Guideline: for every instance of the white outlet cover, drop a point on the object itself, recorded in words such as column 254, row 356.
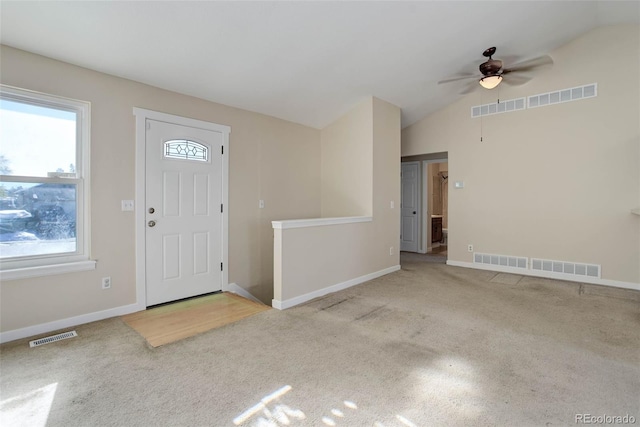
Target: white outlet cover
column 127, row 205
column 459, row 184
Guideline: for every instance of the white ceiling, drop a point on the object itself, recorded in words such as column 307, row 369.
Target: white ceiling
column 307, row 62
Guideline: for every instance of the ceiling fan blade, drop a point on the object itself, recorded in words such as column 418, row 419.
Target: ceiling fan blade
column 509, row 59
column 470, row 87
column 527, row 65
column 455, row 79
column 516, row 79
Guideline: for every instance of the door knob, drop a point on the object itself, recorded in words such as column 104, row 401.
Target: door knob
column 151, row 210
column 414, row 212
column 152, row 223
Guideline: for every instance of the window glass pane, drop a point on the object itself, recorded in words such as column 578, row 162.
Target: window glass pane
column 37, row 219
column 185, row 149
column 36, row 140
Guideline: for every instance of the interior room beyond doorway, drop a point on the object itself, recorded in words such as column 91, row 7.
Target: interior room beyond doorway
column 436, row 196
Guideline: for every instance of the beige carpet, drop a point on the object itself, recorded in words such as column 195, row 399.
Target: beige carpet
column 430, row 345
column 173, row 322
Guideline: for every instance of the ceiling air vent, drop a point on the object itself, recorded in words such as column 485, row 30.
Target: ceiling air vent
column 563, row 95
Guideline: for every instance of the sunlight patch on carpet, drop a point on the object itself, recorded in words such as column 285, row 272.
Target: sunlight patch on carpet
column 450, row 384
column 29, row 409
column 271, row 411
column 279, row 413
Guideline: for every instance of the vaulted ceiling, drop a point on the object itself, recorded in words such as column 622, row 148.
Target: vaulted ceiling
column 307, row 62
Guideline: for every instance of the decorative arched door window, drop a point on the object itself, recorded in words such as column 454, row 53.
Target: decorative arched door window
column 185, row 149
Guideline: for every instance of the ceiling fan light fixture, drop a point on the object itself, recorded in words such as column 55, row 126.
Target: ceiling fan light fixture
column 490, row 82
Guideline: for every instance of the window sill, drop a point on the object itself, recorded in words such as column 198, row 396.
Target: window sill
column 47, row 270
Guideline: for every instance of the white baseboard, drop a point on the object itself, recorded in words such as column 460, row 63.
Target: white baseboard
column 547, row 275
column 282, row 305
column 236, row 289
column 43, row 328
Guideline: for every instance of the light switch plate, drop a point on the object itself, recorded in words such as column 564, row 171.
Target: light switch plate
column 459, row 184
column 127, row 205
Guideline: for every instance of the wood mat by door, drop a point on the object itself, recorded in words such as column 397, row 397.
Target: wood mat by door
column 173, row 322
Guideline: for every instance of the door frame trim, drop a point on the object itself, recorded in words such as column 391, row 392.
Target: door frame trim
column 141, row 116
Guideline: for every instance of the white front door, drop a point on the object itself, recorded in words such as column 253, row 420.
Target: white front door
column 409, row 230
column 184, row 222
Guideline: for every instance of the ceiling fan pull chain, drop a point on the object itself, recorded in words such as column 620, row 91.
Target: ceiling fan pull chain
column 480, row 116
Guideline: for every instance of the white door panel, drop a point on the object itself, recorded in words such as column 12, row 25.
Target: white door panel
column 410, row 207
column 183, row 212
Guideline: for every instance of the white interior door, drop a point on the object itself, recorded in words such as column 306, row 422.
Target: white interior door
column 184, row 223
column 409, row 230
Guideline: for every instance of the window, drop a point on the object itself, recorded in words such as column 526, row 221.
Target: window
column 185, row 149
column 43, row 180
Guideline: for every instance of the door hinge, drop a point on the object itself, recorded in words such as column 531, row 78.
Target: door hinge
column 221, row 208
column 221, row 269
column 222, row 150
column 148, row 125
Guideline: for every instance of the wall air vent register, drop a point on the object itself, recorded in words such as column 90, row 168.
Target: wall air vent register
column 535, row 101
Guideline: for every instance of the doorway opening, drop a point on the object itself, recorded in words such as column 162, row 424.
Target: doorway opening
column 437, row 201
column 431, row 196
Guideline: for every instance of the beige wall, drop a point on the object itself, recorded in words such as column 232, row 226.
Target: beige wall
column 386, row 183
column 314, row 258
column 270, row 159
column 555, row 182
column 347, row 153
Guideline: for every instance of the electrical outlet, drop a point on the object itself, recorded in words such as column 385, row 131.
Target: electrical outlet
column 106, row 282
column 261, row 204
column 391, row 250
column 470, row 248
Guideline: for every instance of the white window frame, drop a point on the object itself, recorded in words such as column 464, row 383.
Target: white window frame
column 42, row 265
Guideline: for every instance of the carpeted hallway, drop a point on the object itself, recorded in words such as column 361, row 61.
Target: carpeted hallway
column 427, row 345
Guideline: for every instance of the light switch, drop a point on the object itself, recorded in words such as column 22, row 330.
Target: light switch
column 459, row 184
column 392, row 204
column 261, row 204
column 127, row 205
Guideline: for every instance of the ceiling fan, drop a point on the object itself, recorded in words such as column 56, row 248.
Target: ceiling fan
column 493, row 72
